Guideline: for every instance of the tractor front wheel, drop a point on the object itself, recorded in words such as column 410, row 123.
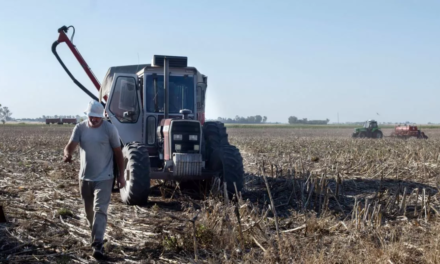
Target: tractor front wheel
column 137, row 174
column 362, row 135
column 228, row 162
column 222, row 157
column 214, row 135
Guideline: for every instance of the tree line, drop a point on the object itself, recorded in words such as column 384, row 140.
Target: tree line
column 6, row 115
column 242, row 120
column 294, row 120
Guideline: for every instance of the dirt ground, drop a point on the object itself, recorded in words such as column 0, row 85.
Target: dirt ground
column 310, row 196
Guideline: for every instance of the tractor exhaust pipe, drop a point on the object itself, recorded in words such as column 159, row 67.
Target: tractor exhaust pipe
column 166, row 85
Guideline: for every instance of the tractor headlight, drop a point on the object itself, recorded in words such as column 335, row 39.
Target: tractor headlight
column 177, row 136
column 193, row 137
column 178, row 147
column 196, row 147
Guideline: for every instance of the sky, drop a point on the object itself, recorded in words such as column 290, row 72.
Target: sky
column 310, row 59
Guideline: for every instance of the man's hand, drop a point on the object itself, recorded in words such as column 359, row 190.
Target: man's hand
column 121, row 181
column 120, row 162
column 68, row 150
column 67, row 158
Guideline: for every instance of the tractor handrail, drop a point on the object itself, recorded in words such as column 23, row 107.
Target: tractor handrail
column 63, row 38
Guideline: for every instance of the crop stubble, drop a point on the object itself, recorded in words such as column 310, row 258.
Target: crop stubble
column 337, row 200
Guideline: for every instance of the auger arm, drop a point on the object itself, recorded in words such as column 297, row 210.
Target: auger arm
column 63, row 38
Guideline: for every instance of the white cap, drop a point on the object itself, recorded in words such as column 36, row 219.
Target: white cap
column 94, row 109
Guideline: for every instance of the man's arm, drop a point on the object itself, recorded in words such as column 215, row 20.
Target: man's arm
column 120, row 162
column 68, row 150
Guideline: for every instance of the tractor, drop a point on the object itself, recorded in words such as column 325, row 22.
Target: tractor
column 159, row 112
column 369, row 130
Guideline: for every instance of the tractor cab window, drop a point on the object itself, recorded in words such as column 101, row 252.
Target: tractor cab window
column 124, row 103
column 370, row 125
column 181, row 93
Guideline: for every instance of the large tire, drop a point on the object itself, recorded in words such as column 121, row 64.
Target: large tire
column 362, row 135
column 214, row 135
column 137, row 163
column 227, row 160
column 378, row 134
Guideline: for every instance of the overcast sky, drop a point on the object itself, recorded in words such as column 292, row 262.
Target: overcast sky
column 311, row 59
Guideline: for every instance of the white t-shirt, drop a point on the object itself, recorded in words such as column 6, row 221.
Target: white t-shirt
column 96, row 150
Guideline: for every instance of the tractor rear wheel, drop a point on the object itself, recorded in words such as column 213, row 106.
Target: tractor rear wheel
column 228, row 162
column 377, row 134
column 137, row 174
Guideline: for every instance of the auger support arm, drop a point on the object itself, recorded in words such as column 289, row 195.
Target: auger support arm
column 63, row 38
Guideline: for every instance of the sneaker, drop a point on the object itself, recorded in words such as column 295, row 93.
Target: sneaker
column 98, row 250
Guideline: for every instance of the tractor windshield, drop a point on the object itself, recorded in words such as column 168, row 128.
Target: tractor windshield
column 181, row 94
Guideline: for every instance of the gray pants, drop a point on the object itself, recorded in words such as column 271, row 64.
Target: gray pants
column 96, row 196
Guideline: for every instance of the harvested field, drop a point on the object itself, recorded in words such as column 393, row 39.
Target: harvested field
column 311, row 196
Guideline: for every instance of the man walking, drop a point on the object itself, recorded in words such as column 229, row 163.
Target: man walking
column 98, row 141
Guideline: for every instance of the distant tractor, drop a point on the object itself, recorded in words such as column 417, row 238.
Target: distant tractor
column 69, row 120
column 159, row 111
column 369, row 130
column 54, row 120
column 61, row 120
column 408, row 131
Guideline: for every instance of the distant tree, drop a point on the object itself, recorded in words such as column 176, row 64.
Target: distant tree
column 1, row 115
column 5, row 114
column 264, row 119
column 293, row 120
column 258, row 119
column 251, row 119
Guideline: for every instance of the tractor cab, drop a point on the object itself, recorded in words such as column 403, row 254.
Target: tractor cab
column 370, row 124
column 139, row 97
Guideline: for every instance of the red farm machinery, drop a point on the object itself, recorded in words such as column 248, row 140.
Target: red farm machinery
column 61, row 120
column 408, row 131
column 159, row 111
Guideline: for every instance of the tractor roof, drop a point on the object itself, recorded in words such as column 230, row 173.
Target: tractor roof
column 107, row 82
